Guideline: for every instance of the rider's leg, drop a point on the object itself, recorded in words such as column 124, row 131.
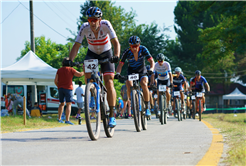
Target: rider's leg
column 111, row 93
column 203, row 99
column 129, row 107
column 182, row 96
column 151, row 100
column 144, row 86
column 158, row 97
column 128, row 86
column 168, row 95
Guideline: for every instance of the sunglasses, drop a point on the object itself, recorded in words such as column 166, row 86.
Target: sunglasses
column 160, row 61
column 134, row 46
column 92, row 19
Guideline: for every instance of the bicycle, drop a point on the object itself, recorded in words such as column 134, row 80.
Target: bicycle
column 177, row 100
column 199, row 103
column 192, row 101
column 162, row 103
column 137, row 102
column 98, row 91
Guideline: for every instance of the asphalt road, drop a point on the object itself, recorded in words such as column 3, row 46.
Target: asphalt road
column 176, row 143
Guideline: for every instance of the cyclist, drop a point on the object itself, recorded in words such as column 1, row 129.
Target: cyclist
column 178, row 81
column 163, row 70
column 198, row 81
column 99, row 33
column 135, row 55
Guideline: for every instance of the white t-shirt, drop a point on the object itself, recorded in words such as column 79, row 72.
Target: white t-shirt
column 100, row 44
column 79, row 92
column 163, row 70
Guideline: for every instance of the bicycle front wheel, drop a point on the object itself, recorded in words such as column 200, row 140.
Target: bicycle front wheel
column 143, row 117
column 178, row 108
column 92, row 117
column 161, row 107
column 135, row 109
column 194, row 110
column 200, row 110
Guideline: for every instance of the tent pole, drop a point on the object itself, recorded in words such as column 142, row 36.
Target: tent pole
column 35, row 91
column 6, row 88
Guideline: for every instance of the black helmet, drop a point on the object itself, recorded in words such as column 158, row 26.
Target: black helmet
column 148, row 67
column 160, row 57
column 134, row 40
column 198, row 72
column 94, row 12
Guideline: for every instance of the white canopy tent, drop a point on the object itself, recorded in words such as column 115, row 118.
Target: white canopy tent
column 235, row 95
column 29, row 70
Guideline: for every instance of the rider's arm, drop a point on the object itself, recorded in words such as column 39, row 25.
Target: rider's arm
column 119, row 67
column 151, row 61
column 152, row 79
column 74, row 51
column 207, row 86
column 171, row 77
column 116, row 45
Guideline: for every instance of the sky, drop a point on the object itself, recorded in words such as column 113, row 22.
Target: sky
column 53, row 17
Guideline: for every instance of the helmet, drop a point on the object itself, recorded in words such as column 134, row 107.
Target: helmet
column 119, row 98
column 147, row 67
column 160, row 57
column 198, row 72
column 94, row 12
column 134, row 40
column 178, row 69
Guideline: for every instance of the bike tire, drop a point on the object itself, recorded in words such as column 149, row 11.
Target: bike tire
column 194, row 110
column 200, row 110
column 161, row 108
column 143, row 117
column 136, row 114
column 105, row 118
column 177, row 107
column 165, row 109
column 181, row 113
column 93, row 129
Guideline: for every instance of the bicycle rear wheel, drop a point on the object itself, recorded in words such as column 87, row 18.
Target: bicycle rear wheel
column 177, row 108
column 135, row 108
column 143, row 117
column 200, row 110
column 108, row 130
column 93, row 125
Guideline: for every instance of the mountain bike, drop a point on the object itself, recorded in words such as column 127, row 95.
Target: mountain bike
column 199, row 103
column 193, row 101
column 177, row 100
column 162, row 103
column 137, row 101
column 96, row 90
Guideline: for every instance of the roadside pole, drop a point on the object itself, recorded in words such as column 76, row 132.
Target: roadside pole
column 24, row 109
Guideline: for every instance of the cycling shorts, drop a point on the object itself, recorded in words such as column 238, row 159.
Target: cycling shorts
column 163, row 82
column 200, row 90
column 106, row 68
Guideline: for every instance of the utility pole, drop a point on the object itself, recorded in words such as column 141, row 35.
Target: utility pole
column 32, row 26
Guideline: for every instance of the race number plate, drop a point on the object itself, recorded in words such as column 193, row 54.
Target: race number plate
column 162, row 88
column 176, row 93
column 91, row 65
column 133, row 77
column 198, row 94
column 155, row 96
column 193, row 97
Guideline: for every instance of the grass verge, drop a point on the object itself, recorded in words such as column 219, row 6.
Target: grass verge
column 15, row 124
column 233, row 129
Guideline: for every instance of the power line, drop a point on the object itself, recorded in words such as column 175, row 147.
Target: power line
column 67, row 9
column 56, row 13
column 10, row 13
column 42, row 20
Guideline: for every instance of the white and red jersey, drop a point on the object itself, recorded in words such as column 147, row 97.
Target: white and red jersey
column 100, row 44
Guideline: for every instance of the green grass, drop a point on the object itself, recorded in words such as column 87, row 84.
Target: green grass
column 233, row 129
column 15, row 124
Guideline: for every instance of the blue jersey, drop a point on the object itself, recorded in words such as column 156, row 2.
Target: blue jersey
column 199, row 85
column 178, row 81
column 122, row 104
column 133, row 65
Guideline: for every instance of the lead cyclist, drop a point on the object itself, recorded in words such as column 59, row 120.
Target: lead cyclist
column 100, row 34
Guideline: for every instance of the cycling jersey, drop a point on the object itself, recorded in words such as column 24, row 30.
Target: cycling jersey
column 100, row 44
column 133, row 65
column 163, row 70
column 178, row 81
column 199, row 85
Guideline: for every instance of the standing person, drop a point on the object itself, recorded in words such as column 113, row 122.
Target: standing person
column 121, row 106
column 80, row 93
column 100, row 34
column 17, row 100
column 126, row 100
column 135, row 55
column 63, row 81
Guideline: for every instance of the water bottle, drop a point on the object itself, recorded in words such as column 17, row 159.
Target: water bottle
column 79, row 120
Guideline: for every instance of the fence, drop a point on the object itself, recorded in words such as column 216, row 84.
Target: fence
column 225, row 109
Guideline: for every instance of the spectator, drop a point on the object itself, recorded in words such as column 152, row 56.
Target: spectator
column 79, row 92
column 36, row 111
column 17, row 100
column 63, row 81
column 126, row 101
column 29, row 101
column 121, row 106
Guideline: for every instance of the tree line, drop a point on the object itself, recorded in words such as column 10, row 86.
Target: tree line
column 211, row 37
